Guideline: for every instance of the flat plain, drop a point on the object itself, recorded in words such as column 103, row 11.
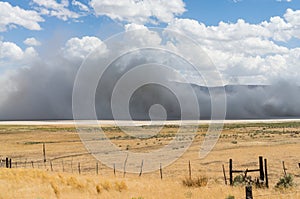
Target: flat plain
column 59, row 176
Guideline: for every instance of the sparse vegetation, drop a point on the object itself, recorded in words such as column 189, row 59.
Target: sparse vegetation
column 98, row 189
column 285, row 182
column 24, row 144
column 120, row 186
column 195, row 182
column 106, row 185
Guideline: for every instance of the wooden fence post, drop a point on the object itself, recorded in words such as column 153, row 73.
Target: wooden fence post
column 32, row 164
column 124, row 168
column 160, row 169
column 6, row 162
column 63, row 165
column 141, row 171
column 266, row 173
column 225, row 179
column 249, row 194
column 97, row 171
column 114, row 169
column 44, row 152
column 284, row 169
column 261, row 169
column 51, row 166
column 79, row 170
column 72, row 165
column 10, row 163
column 190, row 170
column 230, row 172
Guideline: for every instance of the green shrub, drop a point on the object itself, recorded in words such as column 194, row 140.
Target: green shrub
column 285, row 182
column 238, row 180
column 241, row 180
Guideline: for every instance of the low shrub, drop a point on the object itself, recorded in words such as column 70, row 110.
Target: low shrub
column 285, row 182
column 195, row 182
column 120, row 186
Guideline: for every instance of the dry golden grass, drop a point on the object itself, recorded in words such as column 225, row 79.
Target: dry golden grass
column 29, row 183
column 241, row 142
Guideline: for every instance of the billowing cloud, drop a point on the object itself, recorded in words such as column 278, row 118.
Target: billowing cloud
column 140, row 12
column 243, row 52
column 32, row 42
column 53, row 8
column 11, row 16
column 12, row 55
column 44, row 90
column 9, row 50
column 79, row 48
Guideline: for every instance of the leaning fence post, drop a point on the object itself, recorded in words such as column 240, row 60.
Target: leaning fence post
column 51, row 166
column 125, row 162
column 284, row 169
column 266, row 173
column 230, row 172
column 141, row 171
column 160, row 169
column 261, row 169
column 224, row 174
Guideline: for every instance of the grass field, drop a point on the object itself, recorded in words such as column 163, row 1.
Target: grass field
column 242, row 142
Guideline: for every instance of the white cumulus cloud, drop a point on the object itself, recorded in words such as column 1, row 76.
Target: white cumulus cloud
column 247, row 52
column 139, row 11
column 79, row 48
column 32, row 42
column 53, row 8
column 9, row 50
column 13, row 55
column 14, row 15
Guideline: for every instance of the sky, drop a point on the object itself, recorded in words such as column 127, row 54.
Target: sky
column 250, row 42
column 27, row 27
